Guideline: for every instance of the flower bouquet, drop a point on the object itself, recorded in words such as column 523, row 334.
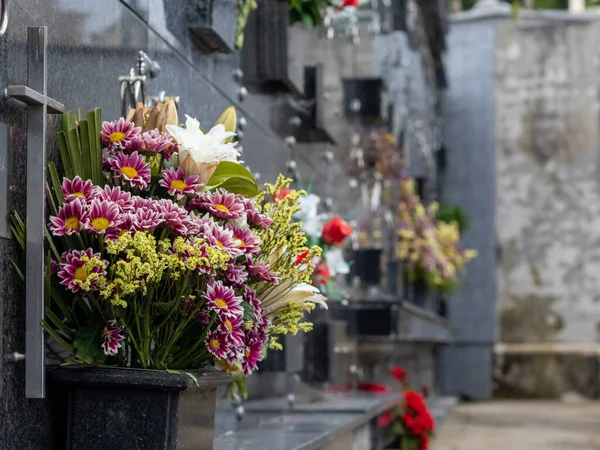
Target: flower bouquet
column 329, row 232
column 162, row 251
column 412, row 422
column 429, row 248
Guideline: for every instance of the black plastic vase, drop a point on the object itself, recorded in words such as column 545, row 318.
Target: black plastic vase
column 97, row 408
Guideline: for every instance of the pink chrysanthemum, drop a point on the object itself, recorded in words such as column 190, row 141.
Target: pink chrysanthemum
column 232, row 328
column 118, row 133
column 245, row 240
column 220, row 203
column 153, row 141
column 111, row 338
column 147, row 219
column 71, row 218
column 140, row 202
column 131, row 168
column 258, row 219
column 217, row 344
column 174, row 215
column 77, row 188
column 236, row 275
column 252, row 352
column 126, row 225
column 262, row 271
column 103, row 216
column 222, row 299
column 73, row 273
column 218, row 236
column 178, row 185
column 116, row 195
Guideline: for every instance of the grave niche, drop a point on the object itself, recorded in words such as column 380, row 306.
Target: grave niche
column 265, row 52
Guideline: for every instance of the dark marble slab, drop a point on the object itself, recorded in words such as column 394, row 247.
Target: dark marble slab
column 266, row 429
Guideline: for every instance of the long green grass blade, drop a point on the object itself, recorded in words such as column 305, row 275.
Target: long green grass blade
column 48, row 329
column 75, row 152
column 56, row 184
column 58, row 323
column 51, row 202
column 96, row 135
column 86, row 155
column 65, row 155
column 94, row 160
column 20, row 238
column 51, row 244
column 18, row 269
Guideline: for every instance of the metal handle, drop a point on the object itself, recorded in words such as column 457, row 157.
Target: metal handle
column 4, row 17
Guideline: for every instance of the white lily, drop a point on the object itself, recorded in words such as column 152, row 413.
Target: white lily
column 284, row 294
column 200, row 153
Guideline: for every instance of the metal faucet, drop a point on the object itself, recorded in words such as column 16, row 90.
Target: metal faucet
column 133, row 86
column 357, row 375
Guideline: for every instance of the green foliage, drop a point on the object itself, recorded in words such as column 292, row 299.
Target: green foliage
column 88, row 344
column 80, row 147
column 235, row 178
column 309, row 12
column 454, row 213
column 246, row 7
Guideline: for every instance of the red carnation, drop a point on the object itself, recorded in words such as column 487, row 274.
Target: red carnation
column 399, row 374
column 353, row 3
column 301, row 257
column 322, row 274
column 282, row 193
column 384, row 420
column 336, row 231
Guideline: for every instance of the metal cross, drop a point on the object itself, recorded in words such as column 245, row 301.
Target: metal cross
column 39, row 105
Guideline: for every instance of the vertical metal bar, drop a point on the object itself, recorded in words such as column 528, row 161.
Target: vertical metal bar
column 36, row 215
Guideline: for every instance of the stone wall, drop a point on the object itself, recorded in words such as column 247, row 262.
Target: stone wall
column 548, row 196
column 548, row 192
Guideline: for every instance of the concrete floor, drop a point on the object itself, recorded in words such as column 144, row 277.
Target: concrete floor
column 521, row 425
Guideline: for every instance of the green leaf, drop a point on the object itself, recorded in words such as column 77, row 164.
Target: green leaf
column 75, row 152
column 248, row 311
column 48, row 329
column 59, row 324
column 18, row 269
column 181, row 372
column 56, row 184
column 88, row 343
column 307, row 20
column 234, row 178
column 239, row 384
column 65, row 156
column 86, row 151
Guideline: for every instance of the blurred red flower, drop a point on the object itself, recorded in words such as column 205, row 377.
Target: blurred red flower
column 301, row 257
column 385, row 420
column 336, row 231
column 399, row 374
column 321, row 274
column 282, row 193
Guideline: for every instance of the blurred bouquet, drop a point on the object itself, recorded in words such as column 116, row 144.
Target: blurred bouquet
column 429, row 248
column 330, row 233
column 163, row 252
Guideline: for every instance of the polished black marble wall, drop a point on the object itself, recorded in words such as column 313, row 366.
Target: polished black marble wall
column 92, row 43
